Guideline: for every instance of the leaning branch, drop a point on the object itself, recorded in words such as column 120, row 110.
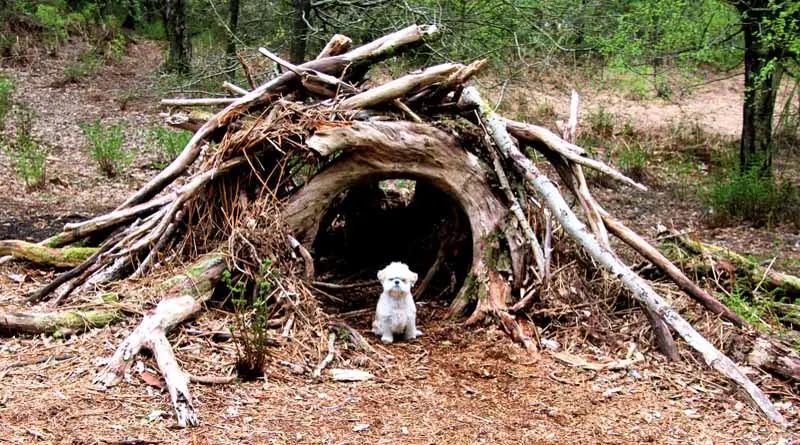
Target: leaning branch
column 334, row 66
column 635, row 284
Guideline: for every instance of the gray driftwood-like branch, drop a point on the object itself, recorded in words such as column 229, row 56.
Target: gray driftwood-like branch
column 638, row 287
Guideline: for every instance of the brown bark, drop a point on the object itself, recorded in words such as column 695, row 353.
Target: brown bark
column 233, row 24
column 775, row 356
column 299, row 42
column 180, row 43
column 761, row 84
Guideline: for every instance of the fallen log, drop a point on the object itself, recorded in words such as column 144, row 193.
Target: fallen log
column 770, row 278
column 636, row 285
column 69, row 321
column 44, row 255
column 778, row 357
column 189, row 291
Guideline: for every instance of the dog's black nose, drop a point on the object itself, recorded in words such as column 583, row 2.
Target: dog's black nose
column 396, row 282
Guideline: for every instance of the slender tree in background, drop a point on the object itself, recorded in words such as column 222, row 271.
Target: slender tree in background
column 770, row 37
column 180, row 43
column 297, row 50
column 233, row 23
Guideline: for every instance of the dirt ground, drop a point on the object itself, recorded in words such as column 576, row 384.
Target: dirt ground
column 453, row 385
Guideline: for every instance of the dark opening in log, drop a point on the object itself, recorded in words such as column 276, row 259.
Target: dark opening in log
column 374, row 223
column 377, row 151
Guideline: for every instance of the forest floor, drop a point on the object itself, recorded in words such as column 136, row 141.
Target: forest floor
column 451, row 386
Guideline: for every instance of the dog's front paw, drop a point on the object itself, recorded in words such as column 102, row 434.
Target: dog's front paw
column 418, row 333
column 386, row 339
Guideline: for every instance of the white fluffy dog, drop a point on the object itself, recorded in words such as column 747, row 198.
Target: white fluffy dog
column 396, row 312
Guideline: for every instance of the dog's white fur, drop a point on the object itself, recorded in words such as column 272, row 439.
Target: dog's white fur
column 396, row 312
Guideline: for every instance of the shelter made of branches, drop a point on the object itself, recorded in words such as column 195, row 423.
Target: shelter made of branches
column 266, row 179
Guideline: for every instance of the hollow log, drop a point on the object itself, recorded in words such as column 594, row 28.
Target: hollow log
column 376, row 151
column 189, row 291
column 43, row 255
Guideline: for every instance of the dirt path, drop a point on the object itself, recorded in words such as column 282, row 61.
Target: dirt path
column 452, row 386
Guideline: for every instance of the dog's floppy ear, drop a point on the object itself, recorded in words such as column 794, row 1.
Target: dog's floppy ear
column 413, row 277
column 382, row 274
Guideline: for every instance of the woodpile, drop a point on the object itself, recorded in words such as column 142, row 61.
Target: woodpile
column 305, row 137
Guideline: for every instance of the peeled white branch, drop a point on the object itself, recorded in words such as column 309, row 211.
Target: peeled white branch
column 539, row 135
column 235, row 89
column 638, row 287
column 192, row 289
column 400, row 87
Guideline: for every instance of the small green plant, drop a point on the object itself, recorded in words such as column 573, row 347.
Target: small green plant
column 152, row 30
column 252, row 319
column 87, row 65
column 632, row 160
column 6, row 102
column 170, row 142
column 105, row 146
column 601, row 122
column 750, row 196
column 115, row 48
column 29, row 158
column 763, row 310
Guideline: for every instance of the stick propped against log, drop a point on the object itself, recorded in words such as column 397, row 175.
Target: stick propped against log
column 633, row 282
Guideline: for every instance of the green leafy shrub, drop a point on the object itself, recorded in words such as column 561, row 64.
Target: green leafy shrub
column 601, row 122
column 87, row 65
column 6, row 90
column 752, row 197
column 105, row 146
column 29, row 158
column 632, row 161
column 153, row 30
column 54, row 20
column 170, row 142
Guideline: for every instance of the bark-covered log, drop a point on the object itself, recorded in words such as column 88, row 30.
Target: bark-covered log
column 45, row 256
column 188, row 293
column 634, row 283
column 72, row 321
column 778, row 357
column 771, row 278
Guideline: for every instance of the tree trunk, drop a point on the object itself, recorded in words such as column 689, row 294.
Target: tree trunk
column 180, row 44
column 761, row 82
column 297, row 51
column 233, row 23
